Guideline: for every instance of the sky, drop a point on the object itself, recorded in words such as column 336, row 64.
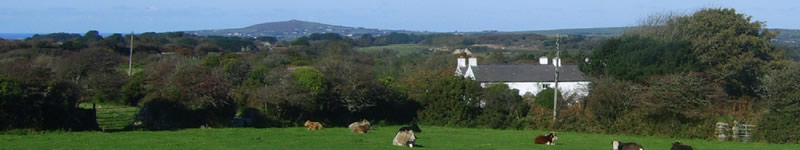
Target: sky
column 118, row 16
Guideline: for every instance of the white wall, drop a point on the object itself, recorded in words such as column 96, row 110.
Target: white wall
column 470, row 74
column 566, row 88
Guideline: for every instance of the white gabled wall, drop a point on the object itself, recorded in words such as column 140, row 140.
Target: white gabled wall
column 469, row 73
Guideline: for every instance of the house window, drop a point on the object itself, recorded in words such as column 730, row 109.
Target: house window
column 545, row 86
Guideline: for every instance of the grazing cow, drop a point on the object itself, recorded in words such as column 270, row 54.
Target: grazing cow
column 412, row 127
column 678, row 146
column 548, row 139
column 626, row 146
column 405, row 138
column 362, row 126
column 313, row 125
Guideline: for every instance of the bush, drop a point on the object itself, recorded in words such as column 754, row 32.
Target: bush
column 164, row 114
column 611, row 99
column 134, row 90
column 545, row 99
column 777, row 127
column 780, row 124
column 501, row 107
column 575, row 119
column 453, row 101
column 252, row 117
column 25, row 106
column 678, row 99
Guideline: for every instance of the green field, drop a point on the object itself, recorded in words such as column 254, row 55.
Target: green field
column 401, row 49
column 341, row 138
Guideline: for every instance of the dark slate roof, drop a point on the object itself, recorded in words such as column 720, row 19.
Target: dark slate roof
column 526, row 73
column 461, row 70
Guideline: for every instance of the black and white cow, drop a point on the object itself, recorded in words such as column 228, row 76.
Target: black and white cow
column 617, row 145
column 412, row 127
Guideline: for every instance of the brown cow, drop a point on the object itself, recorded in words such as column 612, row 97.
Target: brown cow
column 313, row 125
column 362, row 126
column 548, row 139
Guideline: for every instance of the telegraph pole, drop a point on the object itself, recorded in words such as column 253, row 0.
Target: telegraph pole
column 557, row 64
column 130, row 57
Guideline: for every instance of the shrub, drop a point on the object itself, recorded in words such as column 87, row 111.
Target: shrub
column 452, row 101
column 165, row 114
column 501, row 107
column 545, row 99
column 677, row 101
column 611, row 99
column 780, row 124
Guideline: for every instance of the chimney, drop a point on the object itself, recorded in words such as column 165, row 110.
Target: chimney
column 473, row 61
column 543, row 60
column 462, row 62
column 557, row 61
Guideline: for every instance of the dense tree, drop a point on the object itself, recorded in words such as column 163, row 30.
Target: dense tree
column 779, row 125
column 353, row 86
column 324, row 36
column 635, row 58
column 310, row 78
column 301, row 41
column 731, row 48
column 95, row 69
column 365, row 40
column 452, row 101
column 92, row 36
column 668, row 99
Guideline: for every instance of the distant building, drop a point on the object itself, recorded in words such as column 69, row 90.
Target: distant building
column 527, row 78
column 464, row 51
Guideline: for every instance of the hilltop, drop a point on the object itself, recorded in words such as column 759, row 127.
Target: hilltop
column 292, row 29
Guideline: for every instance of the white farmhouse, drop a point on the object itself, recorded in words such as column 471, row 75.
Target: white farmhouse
column 527, row 78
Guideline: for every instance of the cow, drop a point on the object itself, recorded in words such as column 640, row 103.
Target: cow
column 678, row 146
column 405, row 138
column 548, row 139
column 362, row 126
column 412, row 127
column 617, row 145
column 313, row 125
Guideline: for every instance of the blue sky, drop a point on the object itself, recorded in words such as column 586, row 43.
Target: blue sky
column 79, row 16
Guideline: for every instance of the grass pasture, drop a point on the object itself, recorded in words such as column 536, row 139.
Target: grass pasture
column 341, row 138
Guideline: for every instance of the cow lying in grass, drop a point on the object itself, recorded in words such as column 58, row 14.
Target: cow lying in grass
column 313, row 125
column 678, row 146
column 405, row 138
column 626, row 146
column 362, row 126
column 412, row 127
column 548, row 139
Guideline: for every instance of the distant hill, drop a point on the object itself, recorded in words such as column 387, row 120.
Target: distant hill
column 293, row 29
column 788, row 37
column 607, row 31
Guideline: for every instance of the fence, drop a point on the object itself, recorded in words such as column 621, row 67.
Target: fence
column 736, row 132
